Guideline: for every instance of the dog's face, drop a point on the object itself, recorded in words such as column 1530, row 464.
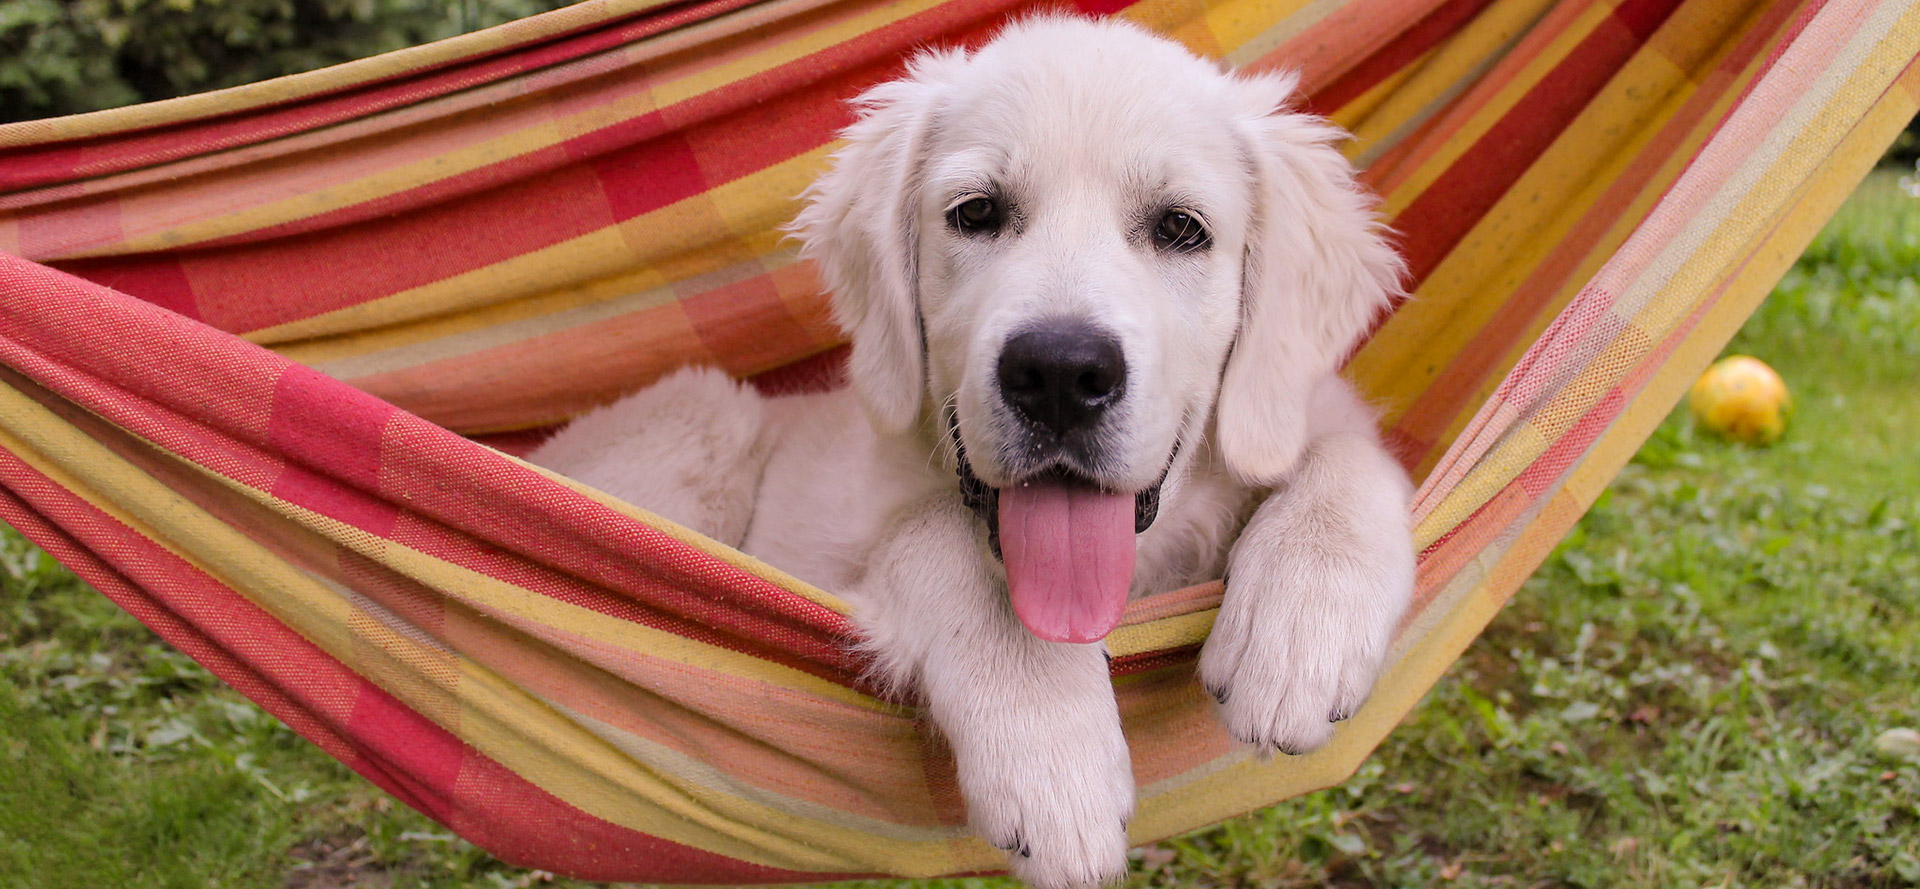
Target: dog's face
column 1078, row 250
column 1078, row 263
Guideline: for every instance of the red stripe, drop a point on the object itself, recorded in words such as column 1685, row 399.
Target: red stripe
column 1643, row 17
column 1390, row 170
column 263, row 284
column 747, row 324
column 318, row 421
column 620, row 568
column 1430, row 31
column 1436, row 220
column 159, row 280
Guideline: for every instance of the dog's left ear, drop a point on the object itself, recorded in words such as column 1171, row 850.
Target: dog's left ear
column 859, row 229
column 1318, row 270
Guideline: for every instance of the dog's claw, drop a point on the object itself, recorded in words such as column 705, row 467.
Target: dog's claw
column 1339, row 715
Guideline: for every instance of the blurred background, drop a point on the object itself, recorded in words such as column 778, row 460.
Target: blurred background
column 68, row 56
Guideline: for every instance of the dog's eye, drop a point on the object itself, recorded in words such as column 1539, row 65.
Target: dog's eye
column 1180, row 232
column 975, row 215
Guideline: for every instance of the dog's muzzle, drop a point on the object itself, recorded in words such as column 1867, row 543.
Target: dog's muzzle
column 984, row 499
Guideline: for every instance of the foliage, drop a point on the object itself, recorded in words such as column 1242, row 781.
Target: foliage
column 1905, row 149
column 67, row 56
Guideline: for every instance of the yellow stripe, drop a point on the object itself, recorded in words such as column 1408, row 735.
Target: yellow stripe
column 1623, row 225
column 602, row 780
column 710, row 775
column 1348, row 116
column 1671, row 166
column 399, row 347
column 1250, row 29
column 1441, row 77
column 1163, row 634
column 495, row 596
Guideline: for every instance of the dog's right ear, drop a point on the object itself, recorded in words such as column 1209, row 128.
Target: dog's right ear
column 859, row 228
column 1318, row 270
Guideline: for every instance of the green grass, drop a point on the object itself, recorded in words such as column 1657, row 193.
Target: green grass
column 124, row 764
column 1686, row 695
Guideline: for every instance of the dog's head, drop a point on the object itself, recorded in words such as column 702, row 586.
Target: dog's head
column 1079, row 249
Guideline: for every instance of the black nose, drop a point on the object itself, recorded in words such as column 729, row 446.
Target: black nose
column 1062, row 377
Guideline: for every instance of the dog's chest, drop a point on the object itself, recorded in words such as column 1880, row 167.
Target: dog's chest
column 1189, row 542
column 829, row 485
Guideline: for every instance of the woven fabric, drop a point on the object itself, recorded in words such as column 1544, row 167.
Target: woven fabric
column 236, row 329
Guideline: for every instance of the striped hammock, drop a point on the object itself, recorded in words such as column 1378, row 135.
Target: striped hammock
column 236, row 330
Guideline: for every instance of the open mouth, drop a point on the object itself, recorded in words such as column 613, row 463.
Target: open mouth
column 1067, row 545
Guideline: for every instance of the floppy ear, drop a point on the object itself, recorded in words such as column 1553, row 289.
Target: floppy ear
column 1318, row 269
column 858, row 227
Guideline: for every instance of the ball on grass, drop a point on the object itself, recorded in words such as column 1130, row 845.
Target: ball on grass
column 1898, row 744
column 1742, row 399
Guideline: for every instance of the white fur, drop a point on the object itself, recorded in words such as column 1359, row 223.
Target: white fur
column 1090, row 129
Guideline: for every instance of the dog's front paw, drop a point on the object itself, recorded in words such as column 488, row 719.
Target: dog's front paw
column 1054, row 789
column 1300, row 638
column 1061, row 813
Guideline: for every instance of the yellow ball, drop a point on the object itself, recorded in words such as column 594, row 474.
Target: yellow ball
column 1742, row 399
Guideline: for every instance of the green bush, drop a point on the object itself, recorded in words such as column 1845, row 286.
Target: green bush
column 67, row 56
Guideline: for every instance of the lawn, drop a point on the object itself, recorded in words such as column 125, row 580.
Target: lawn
column 1687, row 694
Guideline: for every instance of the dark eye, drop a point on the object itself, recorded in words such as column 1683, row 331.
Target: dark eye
column 1180, row 232
column 974, row 216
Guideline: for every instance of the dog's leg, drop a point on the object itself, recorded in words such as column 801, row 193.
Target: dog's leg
column 1316, row 585
column 1033, row 725
column 687, row 448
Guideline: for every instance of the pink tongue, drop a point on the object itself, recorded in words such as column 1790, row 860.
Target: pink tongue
column 1069, row 557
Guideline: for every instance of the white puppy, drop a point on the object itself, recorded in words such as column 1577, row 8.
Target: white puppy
column 1098, row 292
